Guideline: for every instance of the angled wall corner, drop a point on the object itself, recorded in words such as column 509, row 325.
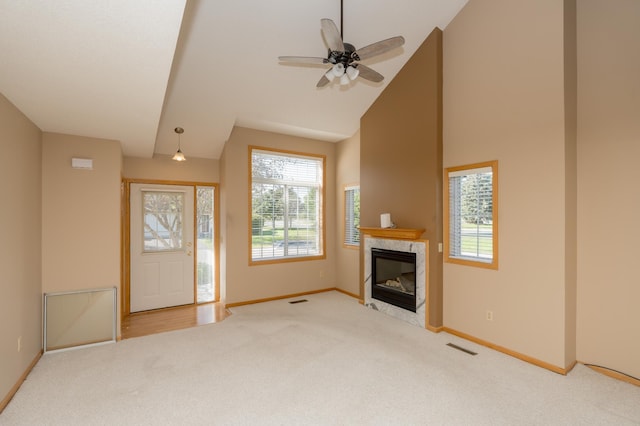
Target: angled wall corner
column 244, row 283
column 505, row 100
column 80, row 214
column 608, row 150
column 571, row 179
column 20, row 248
column 401, row 158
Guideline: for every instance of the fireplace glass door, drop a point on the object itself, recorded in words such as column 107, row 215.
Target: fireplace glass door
column 394, row 278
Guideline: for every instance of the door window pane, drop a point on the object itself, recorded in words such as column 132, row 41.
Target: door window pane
column 163, row 220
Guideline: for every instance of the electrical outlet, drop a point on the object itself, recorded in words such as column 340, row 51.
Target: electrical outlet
column 322, row 273
column 19, row 343
column 489, row 315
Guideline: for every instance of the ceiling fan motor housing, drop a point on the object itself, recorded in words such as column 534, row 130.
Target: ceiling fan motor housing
column 345, row 58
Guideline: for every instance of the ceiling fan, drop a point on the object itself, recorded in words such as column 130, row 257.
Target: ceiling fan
column 344, row 58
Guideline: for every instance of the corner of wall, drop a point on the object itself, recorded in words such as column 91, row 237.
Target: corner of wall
column 347, row 173
column 20, row 248
column 571, row 179
column 408, row 139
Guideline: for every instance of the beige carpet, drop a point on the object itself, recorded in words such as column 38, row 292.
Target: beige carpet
column 328, row 361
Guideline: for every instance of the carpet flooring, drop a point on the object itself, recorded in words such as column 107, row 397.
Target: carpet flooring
column 327, row 361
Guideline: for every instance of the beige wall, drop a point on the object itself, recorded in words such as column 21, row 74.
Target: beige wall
column 504, row 100
column 243, row 282
column 401, row 157
column 571, row 178
column 20, row 245
column 608, row 176
column 164, row 168
column 80, row 214
column 347, row 173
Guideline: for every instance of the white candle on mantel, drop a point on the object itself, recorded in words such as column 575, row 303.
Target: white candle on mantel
column 385, row 220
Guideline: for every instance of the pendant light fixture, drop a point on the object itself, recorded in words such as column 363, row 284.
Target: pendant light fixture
column 179, row 156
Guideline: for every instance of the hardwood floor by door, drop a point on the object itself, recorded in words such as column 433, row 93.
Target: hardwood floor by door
column 158, row 321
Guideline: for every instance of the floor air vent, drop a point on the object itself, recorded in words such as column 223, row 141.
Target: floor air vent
column 293, row 302
column 460, row 348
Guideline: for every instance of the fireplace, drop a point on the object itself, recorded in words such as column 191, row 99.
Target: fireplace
column 393, row 277
column 414, row 311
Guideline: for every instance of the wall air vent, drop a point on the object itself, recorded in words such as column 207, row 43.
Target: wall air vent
column 82, row 163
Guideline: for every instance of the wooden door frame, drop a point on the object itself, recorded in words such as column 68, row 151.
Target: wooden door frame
column 125, row 249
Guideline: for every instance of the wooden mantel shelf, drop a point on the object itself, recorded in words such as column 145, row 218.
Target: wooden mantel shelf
column 397, row 233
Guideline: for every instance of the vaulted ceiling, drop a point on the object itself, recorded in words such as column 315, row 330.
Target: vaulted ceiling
column 132, row 71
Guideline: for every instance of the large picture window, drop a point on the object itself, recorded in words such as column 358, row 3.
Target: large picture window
column 471, row 209
column 286, row 205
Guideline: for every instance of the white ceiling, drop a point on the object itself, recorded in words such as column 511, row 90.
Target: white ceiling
column 134, row 70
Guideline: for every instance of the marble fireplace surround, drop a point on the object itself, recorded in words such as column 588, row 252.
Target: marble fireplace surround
column 419, row 247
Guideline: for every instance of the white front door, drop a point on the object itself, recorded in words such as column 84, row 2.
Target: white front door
column 162, row 252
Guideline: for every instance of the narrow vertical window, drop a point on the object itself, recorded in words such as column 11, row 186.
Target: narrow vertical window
column 352, row 216
column 286, row 205
column 206, row 247
column 471, row 207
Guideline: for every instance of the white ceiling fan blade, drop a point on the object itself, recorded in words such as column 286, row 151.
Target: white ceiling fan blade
column 378, row 48
column 368, row 74
column 331, row 35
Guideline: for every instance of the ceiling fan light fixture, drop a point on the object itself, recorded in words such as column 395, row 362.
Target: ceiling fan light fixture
column 352, row 72
column 344, row 57
column 330, row 75
column 338, row 70
column 179, row 156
